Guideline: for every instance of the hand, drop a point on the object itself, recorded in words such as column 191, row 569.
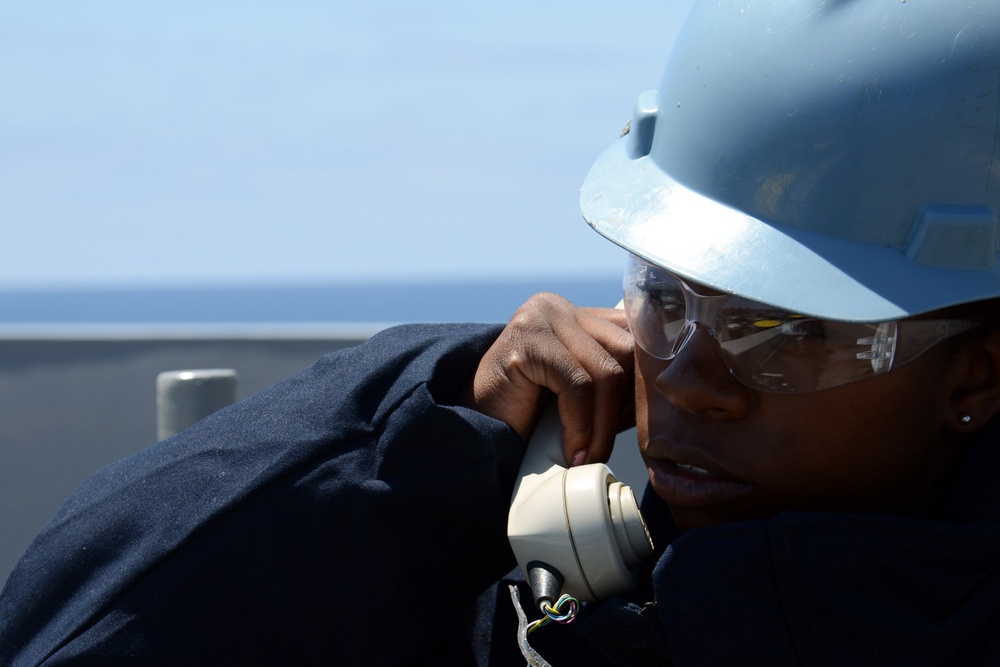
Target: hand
column 582, row 355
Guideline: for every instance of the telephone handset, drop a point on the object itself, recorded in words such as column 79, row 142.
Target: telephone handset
column 575, row 531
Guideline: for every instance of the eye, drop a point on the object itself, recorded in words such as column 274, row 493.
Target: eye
column 670, row 301
column 773, row 328
column 804, row 328
column 808, row 333
column 749, row 323
column 666, row 298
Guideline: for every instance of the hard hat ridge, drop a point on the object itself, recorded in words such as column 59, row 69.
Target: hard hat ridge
column 831, row 158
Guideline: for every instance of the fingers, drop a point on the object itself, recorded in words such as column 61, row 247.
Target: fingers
column 583, row 356
column 593, row 391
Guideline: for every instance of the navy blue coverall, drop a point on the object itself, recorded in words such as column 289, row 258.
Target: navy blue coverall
column 353, row 514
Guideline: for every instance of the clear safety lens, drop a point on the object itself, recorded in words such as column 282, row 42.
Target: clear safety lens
column 766, row 347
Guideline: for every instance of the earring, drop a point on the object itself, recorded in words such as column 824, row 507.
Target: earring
column 965, row 418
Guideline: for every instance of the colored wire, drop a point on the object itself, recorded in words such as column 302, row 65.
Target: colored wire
column 557, row 612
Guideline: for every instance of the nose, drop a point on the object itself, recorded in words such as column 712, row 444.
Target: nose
column 698, row 380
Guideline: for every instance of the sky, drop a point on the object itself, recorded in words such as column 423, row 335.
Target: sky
column 248, row 143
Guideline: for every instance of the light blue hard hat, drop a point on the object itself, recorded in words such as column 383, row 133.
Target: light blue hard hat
column 839, row 158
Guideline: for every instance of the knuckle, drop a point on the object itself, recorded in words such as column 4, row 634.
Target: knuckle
column 526, row 319
column 513, row 359
column 551, row 299
column 579, row 381
column 611, row 369
column 543, row 302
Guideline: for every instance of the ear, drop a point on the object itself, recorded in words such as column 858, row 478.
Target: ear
column 975, row 400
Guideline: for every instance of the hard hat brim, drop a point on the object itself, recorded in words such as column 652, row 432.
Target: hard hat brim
column 637, row 206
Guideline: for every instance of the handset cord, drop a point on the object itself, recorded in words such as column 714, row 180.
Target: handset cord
column 532, row 656
column 556, row 612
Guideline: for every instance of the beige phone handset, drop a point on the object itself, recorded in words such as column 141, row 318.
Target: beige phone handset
column 574, row 530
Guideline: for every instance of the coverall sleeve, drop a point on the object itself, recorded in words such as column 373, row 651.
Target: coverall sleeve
column 346, row 515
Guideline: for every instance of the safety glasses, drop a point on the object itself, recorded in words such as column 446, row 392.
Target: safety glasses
column 767, row 348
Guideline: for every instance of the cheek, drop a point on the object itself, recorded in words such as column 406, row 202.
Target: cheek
column 642, row 399
column 869, row 445
column 877, row 443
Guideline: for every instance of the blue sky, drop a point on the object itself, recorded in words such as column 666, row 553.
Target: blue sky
column 248, row 143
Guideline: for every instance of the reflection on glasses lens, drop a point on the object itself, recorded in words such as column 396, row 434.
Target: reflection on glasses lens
column 764, row 346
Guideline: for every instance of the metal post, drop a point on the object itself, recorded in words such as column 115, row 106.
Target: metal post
column 186, row 397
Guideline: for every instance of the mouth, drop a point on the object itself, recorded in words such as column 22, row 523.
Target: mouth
column 685, row 485
column 692, row 469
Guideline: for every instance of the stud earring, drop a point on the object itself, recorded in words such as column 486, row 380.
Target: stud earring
column 965, row 418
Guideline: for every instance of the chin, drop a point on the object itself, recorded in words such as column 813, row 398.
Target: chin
column 686, row 518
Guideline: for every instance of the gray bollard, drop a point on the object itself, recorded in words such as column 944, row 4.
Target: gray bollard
column 186, row 397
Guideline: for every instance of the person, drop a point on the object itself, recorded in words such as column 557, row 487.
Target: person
column 810, row 327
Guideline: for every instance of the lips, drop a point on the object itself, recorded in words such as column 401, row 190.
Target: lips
column 686, row 485
column 693, row 469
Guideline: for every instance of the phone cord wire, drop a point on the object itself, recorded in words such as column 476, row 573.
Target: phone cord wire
column 533, row 657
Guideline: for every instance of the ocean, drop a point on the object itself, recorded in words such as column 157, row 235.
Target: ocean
column 467, row 301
